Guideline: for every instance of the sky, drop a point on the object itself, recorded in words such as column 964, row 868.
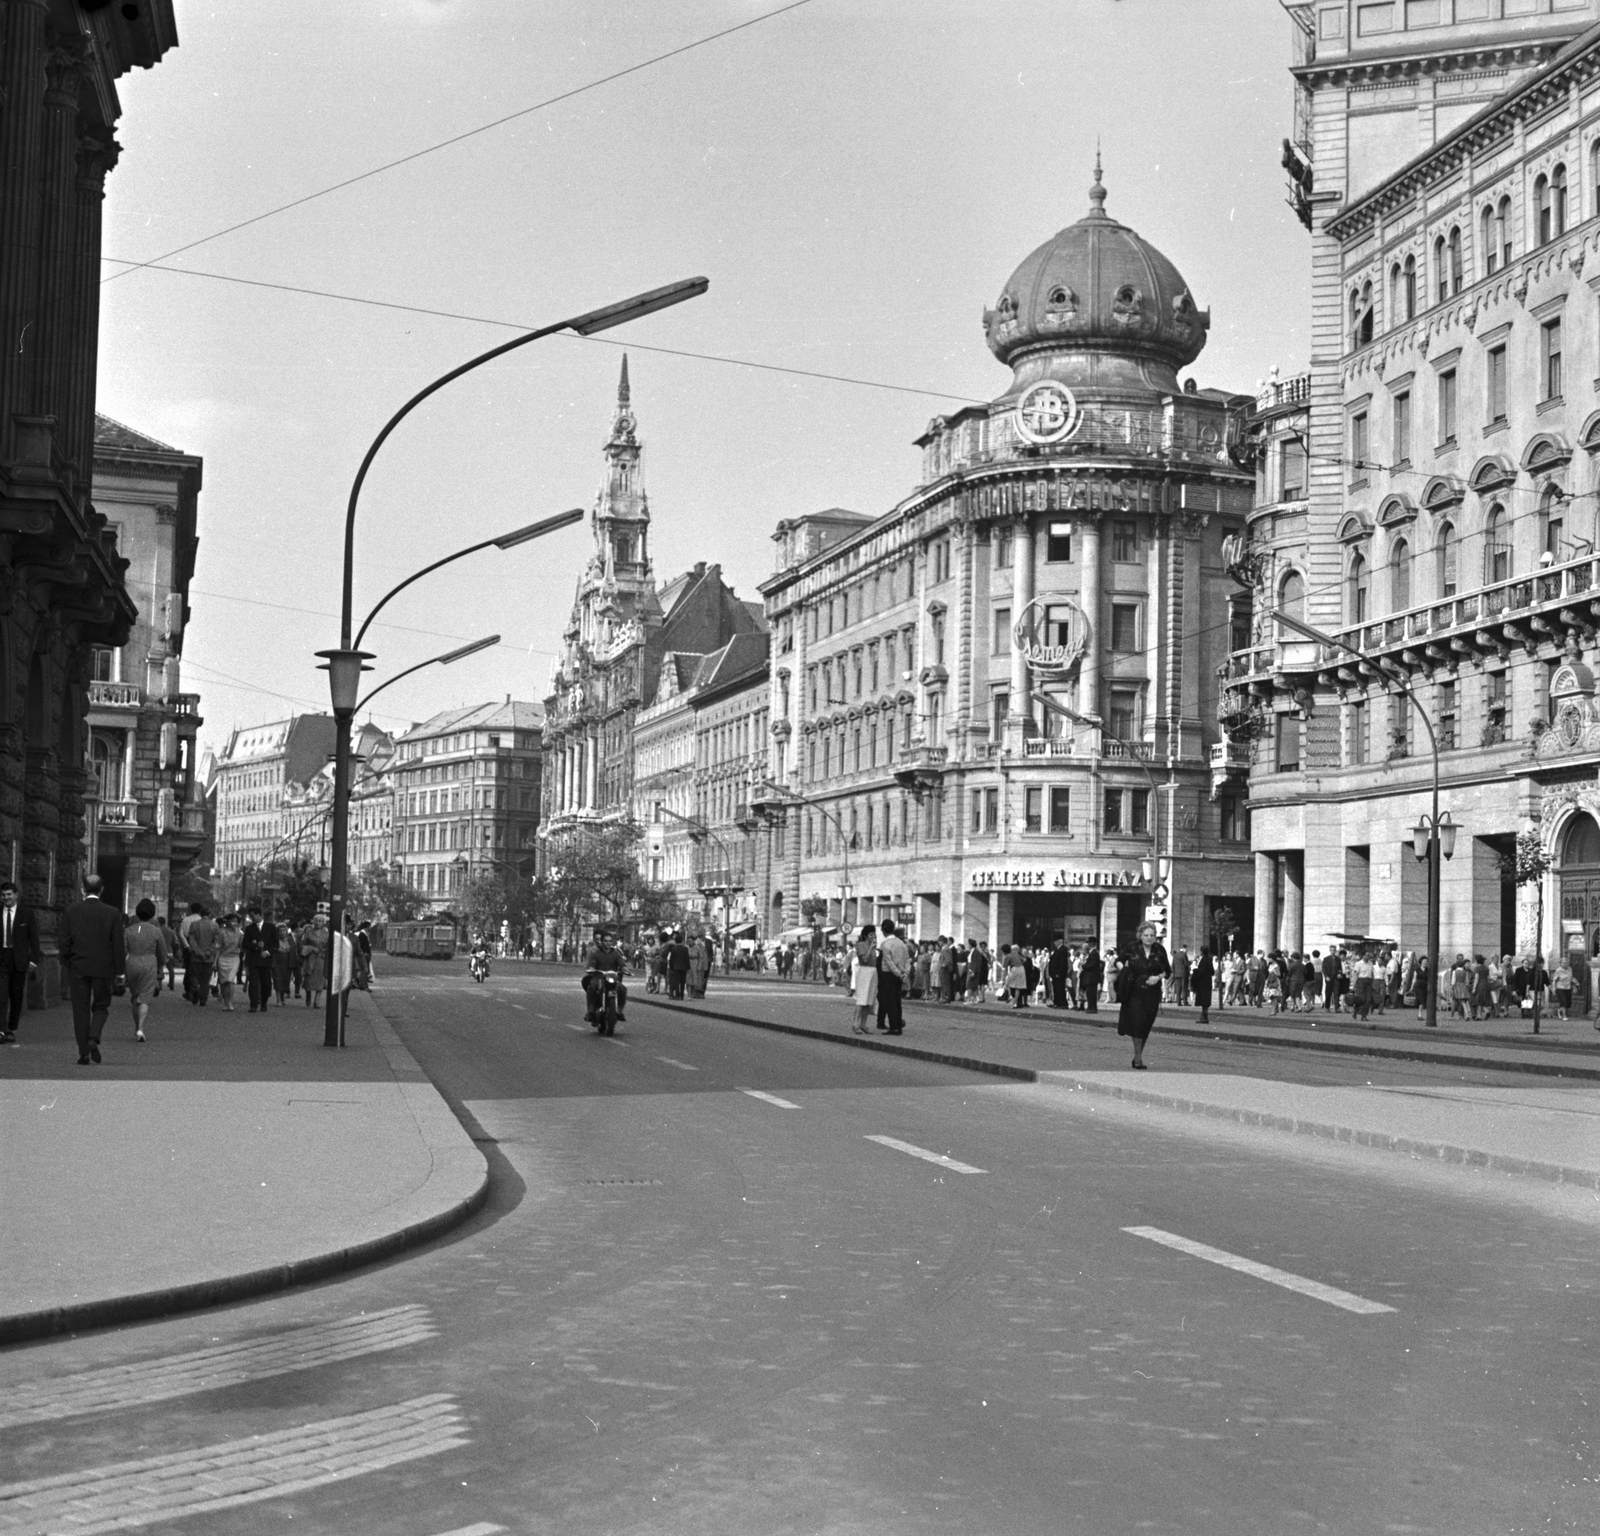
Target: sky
column 857, row 179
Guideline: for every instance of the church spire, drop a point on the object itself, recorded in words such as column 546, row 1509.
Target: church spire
column 623, row 395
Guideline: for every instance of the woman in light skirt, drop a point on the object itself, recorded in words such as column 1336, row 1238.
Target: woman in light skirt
column 864, row 987
column 146, row 944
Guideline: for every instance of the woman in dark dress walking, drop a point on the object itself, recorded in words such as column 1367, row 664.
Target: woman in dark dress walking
column 1139, row 990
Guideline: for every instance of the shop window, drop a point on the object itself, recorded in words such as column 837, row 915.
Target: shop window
column 1060, row 808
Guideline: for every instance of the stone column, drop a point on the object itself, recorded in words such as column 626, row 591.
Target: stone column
column 1021, row 596
column 22, row 49
column 1294, row 896
column 1266, row 926
column 1089, row 601
column 97, row 153
column 53, row 364
column 591, row 797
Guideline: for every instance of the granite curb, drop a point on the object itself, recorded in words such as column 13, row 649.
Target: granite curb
column 1406, row 1146
column 457, row 1186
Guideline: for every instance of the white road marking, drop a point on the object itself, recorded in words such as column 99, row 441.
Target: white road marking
column 210, row 1370
column 1314, row 1288
column 157, row 1489
column 769, row 1098
column 482, row 1528
column 612, row 1040
column 925, row 1154
column 582, row 1029
column 682, row 1066
column 519, row 1007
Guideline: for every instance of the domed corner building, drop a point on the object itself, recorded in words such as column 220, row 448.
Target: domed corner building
column 995, row 706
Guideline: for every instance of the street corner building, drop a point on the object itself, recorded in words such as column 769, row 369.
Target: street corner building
column 630, row 654
column 1428, row 491
column 994, row 708
column 62, row 581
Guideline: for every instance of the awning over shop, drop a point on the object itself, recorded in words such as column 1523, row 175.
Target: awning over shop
column 742, row 931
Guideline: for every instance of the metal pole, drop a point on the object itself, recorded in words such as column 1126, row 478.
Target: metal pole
column 333, row 1015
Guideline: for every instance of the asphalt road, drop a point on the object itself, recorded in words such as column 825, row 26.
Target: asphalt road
column 703, row 1298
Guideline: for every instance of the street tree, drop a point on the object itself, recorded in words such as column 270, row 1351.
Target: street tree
column 377, row 895
column 1528, row 864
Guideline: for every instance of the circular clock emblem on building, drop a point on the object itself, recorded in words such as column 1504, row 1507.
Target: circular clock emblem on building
column 1047, row 412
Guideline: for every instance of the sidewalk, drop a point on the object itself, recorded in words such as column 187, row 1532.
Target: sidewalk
column 230, row 1155
column 1548, row 1130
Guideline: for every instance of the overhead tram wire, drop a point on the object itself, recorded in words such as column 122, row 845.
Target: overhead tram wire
column 470, row 133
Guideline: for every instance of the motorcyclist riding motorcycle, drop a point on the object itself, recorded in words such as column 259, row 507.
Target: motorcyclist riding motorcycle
column 604, row 955
column 480, row 958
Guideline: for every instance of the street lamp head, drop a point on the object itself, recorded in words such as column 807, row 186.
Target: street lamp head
column 535, row 530
column 467, row 650
column 1421, row 835
column 1147, row 868
column 639, row 305
column 1447, row 835
column 344, row 669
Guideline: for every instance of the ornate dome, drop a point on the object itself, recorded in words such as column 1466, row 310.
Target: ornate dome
column 1097, row 286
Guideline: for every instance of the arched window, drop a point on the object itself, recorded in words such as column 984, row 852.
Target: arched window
column 1541, row 209
column 1502, row 230
column 1455, row 259
column 1366, row 314
column 1393, row 317
column 1594, row 172
column 1292, row 595
column 1581, row 845
column 1496, row 546
column 1488, row 246
column 1399, row 577
column 1441, row 271
column 1360, row 593
column 1446, row 552
column 1558, row 202
column 1408, row 288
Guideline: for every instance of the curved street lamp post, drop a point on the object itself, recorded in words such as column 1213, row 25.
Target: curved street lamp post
column 346, row 662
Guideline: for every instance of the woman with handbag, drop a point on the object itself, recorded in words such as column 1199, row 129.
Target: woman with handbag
column 1139, row 981
column 864, row 986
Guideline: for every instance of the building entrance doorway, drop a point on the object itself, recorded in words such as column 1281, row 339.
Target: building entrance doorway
column 1579, row 881
column 1039, row 918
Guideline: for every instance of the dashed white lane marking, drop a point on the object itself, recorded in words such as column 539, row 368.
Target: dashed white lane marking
column 210, row 1370
column 211, row 1477
column 519, row 1007
column 482, row 1528
column 769, row 1098
column 682, row 1066
column 539, row 1015
column 1314, row 1288
column 612, row 1040
column 582, row 1029
column 925, row 1154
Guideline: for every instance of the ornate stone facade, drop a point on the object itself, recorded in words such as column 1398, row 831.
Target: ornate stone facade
column 61, row 579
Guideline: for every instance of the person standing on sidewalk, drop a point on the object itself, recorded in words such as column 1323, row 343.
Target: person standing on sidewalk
column 865, row 983
column 19, row 955
column 1139, row 982
column 314, row 960
column 146, row 955
column 1332, row 974
column 93, row 957
column 894, row 967
column 1180, row 976
column 1200, row 979
column 228, row 959
column 1089, row 980
column 1057, row 967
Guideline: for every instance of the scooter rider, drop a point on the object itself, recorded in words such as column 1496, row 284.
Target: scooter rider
column 603, row 956
column 480, row 955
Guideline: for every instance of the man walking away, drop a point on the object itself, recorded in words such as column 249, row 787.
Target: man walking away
column 894, row 966
column 1332, row 973
column 203, row 942
column 1180, row 976
column 19, row 956
column 93, row 957
column 1057, row 967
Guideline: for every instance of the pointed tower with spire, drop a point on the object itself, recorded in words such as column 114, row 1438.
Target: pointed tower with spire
column 621, row 519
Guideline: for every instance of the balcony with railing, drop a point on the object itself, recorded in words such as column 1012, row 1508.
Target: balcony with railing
column 105, row 695
column 184, row 704
column 119, row 814
column 1519, row 612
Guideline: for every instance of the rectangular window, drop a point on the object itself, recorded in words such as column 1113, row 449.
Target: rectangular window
column 1288, row 743
column 1496, row 384
column 1358, row 442
column 1292, row 470
column 1113, row 815
column 1033, row 809
column 991, row 810
column 1139, row 823
column 1498, row 721
column 977, row 810
column 1233, row 820
column 1447, row 406
column 1447, row 717
column 1060, row 808
column 1400, row 727
column 1058, row 543
column 1402, row 427
column 1125, row 628
column 1124, row 539
column 1002, row 549
column 1551, row 341
column 1358, row 732
column 1002, row 631
column 1123, row 717
column 1002, row 708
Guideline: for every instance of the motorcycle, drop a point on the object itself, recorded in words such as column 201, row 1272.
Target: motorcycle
column 606, row 1007
column 480, row 967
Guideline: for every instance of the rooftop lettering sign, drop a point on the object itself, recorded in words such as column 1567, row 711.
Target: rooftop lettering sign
column 1048, row 877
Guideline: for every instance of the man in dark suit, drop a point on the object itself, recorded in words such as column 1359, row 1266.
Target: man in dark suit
column 93, row 956
column 19, row 955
